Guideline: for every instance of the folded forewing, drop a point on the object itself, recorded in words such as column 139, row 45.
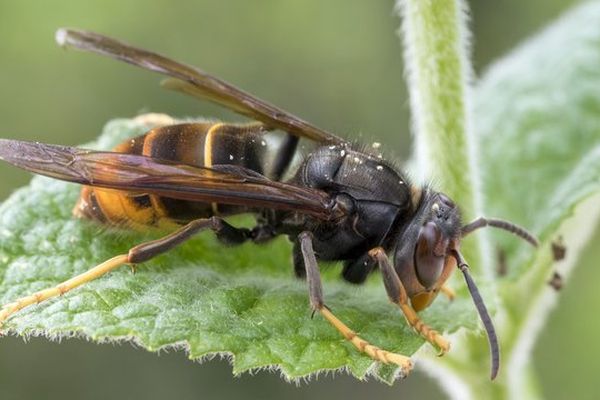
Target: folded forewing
column 142, row 174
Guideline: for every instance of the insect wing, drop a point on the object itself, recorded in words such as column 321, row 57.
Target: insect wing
column 196, row 82
column 141, row 174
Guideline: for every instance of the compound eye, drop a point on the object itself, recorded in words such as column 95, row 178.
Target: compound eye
column 429, row 255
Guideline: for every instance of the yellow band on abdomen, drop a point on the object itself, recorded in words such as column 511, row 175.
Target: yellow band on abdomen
column 208, row 151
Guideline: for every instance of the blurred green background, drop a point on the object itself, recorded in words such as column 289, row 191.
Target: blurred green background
column 336, row 63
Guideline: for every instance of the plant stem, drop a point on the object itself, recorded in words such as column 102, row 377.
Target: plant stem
column 438, row 70
column 435, row 35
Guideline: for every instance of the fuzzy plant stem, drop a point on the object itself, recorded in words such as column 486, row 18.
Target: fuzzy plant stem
column 438, row 72
column 436, row 43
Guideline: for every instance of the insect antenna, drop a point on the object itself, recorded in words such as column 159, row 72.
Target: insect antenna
column 483, row 313
column 500, row 224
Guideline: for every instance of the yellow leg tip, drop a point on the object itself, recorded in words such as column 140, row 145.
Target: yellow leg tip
column 448, row 292
column 405, row 363
column 377, row 354
column 442, row 344
column 11, row 308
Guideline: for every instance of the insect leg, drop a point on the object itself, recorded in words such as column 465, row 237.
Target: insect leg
column 284, row 156
column 397, row 294
column 357, row 271
column 448, row 292
column 137, row 254
column 316, row 301
column 299, row 269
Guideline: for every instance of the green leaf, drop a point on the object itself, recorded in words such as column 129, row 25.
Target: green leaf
column 241, row 301
column 538, row 114
column 544, row 159
column 538, row 117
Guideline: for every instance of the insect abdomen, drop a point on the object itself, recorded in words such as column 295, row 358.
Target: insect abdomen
column 204, row 144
